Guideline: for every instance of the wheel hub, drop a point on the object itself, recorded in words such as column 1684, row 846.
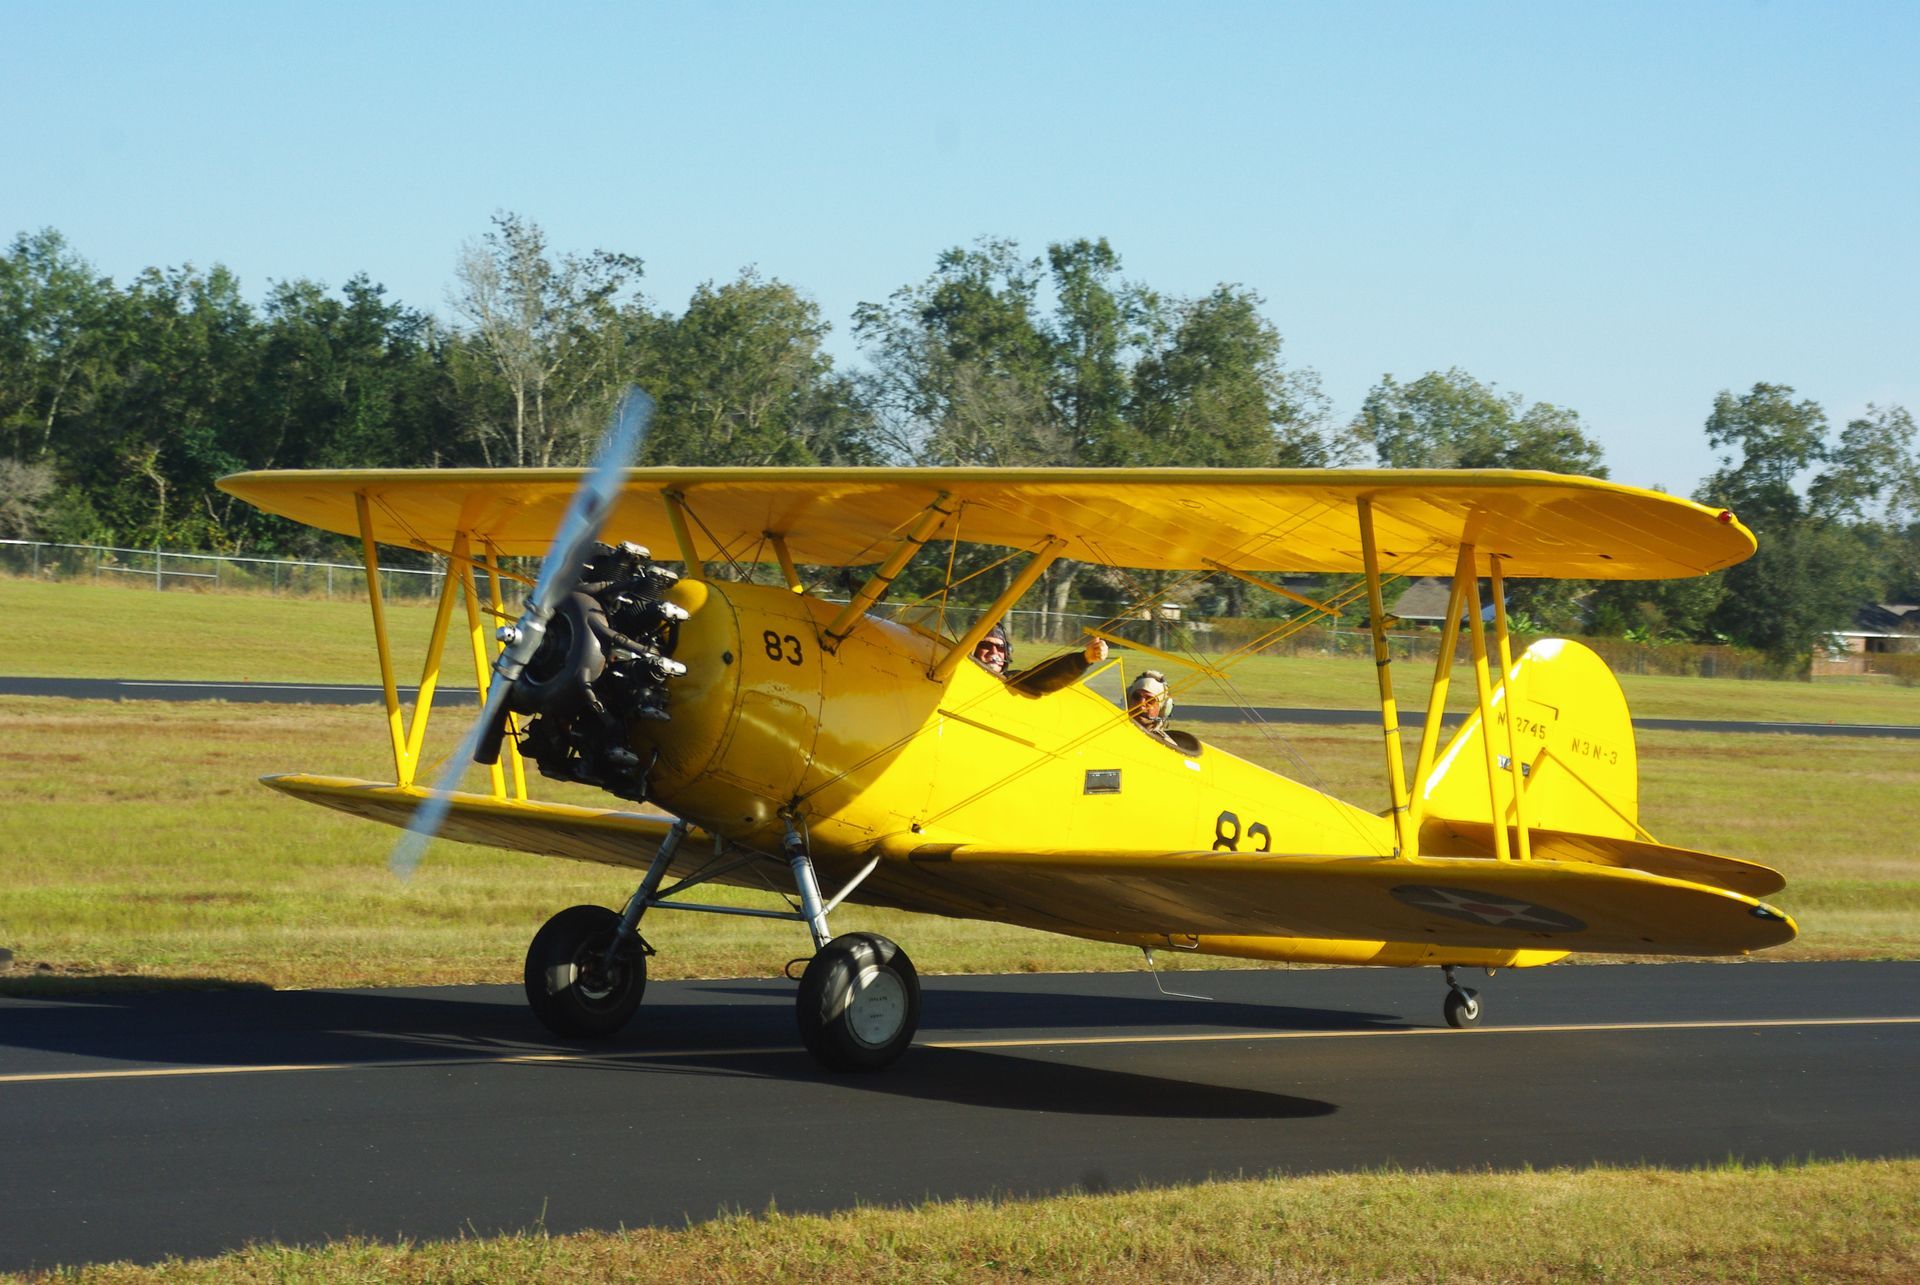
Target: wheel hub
column 876, row 1007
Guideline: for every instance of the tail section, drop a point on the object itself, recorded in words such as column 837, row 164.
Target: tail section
column 1574, row 737
column 1581, row 773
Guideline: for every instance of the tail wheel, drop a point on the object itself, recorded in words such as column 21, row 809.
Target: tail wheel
column 572, row 987
column 859, row 1003
column 1462, row 1008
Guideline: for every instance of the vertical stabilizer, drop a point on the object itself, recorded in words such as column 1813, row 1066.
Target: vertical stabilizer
column 1575, row 742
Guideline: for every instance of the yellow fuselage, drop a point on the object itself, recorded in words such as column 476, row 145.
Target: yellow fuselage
column 864, row 746
column 872, row 755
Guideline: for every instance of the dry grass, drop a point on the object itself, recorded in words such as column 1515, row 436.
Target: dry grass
column 138, row 845
column 1838, row 1222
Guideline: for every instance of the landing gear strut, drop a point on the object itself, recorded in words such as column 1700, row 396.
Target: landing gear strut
column 1462, row 1005
column 859, row 1001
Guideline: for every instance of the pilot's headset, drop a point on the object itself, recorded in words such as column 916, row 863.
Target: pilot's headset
column 1151, row 682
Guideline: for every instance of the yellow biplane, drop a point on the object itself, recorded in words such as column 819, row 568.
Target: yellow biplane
column 801, row 742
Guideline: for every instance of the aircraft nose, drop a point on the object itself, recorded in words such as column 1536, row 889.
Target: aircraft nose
column 706, row 653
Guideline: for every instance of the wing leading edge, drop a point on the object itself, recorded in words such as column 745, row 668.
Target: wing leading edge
column 601, row 835
column 1299, row 520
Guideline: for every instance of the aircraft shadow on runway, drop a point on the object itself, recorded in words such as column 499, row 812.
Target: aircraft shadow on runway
column 748, row 1032
column 1006, row 1081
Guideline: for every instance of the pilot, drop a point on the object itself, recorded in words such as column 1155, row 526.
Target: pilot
column 1150, row 705
column 994, row 653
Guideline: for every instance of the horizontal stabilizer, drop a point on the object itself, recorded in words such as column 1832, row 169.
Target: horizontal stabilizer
column 1730, row 873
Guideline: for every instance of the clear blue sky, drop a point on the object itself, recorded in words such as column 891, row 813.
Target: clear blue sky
column 1618, row 208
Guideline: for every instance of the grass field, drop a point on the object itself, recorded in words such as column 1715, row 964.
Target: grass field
column 139, row 850
column 1840, row 1222
column 139, row 845
column 102, row 631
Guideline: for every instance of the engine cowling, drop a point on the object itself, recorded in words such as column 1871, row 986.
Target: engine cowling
column 604, row 665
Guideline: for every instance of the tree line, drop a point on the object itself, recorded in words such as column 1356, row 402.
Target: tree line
column 121, row 404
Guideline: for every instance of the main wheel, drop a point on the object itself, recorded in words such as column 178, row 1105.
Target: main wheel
column 859, row 1003
column 572, row 988
column 1462, row 1008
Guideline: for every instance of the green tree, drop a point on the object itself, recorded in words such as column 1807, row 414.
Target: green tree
column 1452, row 420
column 1875, row 469
column 1811, row 571
column 741, row 377
column 185, row 361
column 55, row 336
column 553, row 333
column 1455, row 421
column 960, row 368
column 1214, row 392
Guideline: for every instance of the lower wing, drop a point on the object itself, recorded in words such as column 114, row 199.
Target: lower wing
column 1450, row 901
column 524, row 825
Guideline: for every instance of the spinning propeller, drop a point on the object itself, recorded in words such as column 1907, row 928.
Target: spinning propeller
column 577, row 532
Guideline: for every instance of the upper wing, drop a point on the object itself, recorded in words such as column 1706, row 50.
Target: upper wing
column 1540, row 524
column 1471, row 902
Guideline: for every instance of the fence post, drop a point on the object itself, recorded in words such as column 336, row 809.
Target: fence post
column 329, row 582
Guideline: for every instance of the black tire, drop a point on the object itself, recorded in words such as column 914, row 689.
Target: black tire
column 569, row 985
column 1463, row 1008
column 859, row 1003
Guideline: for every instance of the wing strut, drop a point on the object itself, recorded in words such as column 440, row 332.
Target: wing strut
column 882, row 579
column 1383, row 666
column 1483, row 686
column 1515, row 768
column 677, row 519
column 396, row 721
column 787, row 569
column 408, row 736
column 1044, row 557
column 1463, row 573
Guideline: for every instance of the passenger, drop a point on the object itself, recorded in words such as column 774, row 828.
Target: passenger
column 1149, row 705
column 994, row 653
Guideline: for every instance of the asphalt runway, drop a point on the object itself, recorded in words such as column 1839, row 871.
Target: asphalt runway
column 191, row 1122
column 358, row 694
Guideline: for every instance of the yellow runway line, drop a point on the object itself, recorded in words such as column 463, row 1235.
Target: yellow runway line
column 1032, row 1042
column 1571, row 1027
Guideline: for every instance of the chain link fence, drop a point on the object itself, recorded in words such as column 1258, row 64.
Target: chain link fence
column 167, row 571
column 209, row 572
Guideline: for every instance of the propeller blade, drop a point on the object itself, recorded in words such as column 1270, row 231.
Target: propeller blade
column 592, row 502
column 579, row 528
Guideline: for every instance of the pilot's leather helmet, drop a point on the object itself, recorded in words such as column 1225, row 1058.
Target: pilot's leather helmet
column 993, row 636
column 1152, row 683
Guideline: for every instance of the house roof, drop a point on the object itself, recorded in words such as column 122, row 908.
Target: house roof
column 1886, row 618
